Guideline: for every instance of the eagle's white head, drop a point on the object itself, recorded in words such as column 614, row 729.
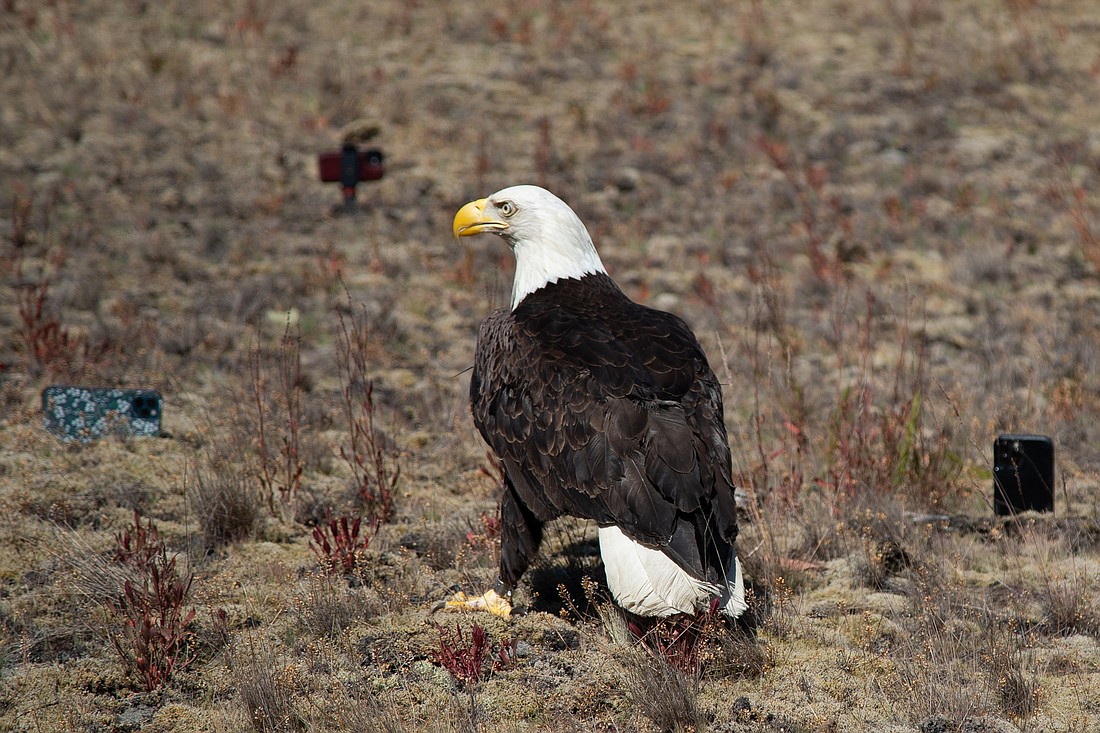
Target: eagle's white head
column 549, row 240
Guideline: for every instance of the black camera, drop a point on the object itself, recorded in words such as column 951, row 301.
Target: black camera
column 1023, row 474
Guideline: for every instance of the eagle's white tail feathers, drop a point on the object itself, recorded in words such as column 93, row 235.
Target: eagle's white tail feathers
column 647, row 582
column 733, row 597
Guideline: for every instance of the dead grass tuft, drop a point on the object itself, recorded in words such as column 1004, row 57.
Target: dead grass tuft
column 93, row 574
column 224, row 500
column 883, row 539
column 956, row 662
column 662, row 693
column 356, row 708
column 1071, row 605
column 736, row 654
column 265, row 686
column 326, row 606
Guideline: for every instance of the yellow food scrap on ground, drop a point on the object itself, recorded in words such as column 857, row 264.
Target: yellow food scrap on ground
column 491, row 601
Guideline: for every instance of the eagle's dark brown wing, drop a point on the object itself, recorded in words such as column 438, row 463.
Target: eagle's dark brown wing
column 603, row 409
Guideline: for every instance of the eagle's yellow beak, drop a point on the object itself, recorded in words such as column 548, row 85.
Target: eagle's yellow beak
column 471, row 219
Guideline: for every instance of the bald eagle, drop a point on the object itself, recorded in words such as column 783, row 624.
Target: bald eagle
column 603, row 409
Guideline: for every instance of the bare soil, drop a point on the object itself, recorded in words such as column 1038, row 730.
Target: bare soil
column 882, row 220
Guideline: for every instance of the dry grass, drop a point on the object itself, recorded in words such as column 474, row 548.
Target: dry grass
column 326, row 607
column 224, row 500
column 880, row 219
column 662, row 693
column 266, row 687
column 1070, row 602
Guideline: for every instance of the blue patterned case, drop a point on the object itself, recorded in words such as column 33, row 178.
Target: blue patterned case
column 88, row 413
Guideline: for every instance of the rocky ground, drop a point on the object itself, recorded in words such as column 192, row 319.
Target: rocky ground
column 882, row 220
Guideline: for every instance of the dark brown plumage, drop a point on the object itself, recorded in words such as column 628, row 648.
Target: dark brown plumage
column 601, row 408
column 604, row 409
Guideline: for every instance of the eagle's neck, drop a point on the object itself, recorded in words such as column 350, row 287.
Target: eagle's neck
column 558, row 253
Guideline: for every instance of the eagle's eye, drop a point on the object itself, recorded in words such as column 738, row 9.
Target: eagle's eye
column 507, row 208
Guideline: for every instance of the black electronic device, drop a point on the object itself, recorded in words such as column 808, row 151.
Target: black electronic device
column 1023, row 474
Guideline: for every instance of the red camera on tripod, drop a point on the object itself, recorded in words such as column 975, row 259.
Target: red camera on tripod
column 351, row 166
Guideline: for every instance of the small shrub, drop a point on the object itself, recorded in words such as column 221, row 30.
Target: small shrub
column 219, row 637
column 489, row 533
column 279, row 445
column 138, row 546
column 375, row 480
column 156, row 637
column 43, row 341
column 375, row 474
column 338, row 545
column 877, row 439
column 1082, row 221
column 679, row 641
column 705, row 644
column 822, row 217
column 155, row 640
column 470, row 662
column 41, row 337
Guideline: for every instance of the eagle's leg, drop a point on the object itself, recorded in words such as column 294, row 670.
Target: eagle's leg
column 520, row 535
